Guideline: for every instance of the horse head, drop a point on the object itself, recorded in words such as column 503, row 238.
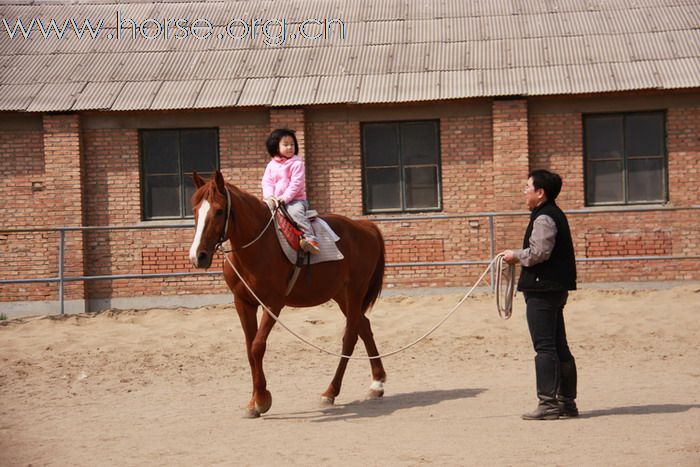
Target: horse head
column 211, row 205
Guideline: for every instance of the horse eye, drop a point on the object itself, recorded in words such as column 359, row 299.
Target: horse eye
column 219, row 212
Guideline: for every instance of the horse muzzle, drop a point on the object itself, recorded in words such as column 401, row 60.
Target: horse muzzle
column 202, row 260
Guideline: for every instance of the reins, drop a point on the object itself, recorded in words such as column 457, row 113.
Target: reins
column 504, row 311
column 224, row 232
column 505, row 308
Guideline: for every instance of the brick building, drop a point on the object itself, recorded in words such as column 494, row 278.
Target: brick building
column 423, row 117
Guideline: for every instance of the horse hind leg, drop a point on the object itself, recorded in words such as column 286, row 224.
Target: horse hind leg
column 376, row 389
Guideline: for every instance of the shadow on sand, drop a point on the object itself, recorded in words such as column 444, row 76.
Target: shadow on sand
column 639, row 410
column 378, row 407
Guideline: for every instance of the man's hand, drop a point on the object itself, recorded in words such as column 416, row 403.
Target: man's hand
column 509, row 257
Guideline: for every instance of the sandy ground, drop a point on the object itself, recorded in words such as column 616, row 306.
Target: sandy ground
column 167, row 387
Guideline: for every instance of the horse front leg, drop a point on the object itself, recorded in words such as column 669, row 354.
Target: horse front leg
column 249, row 323
column 262, row 398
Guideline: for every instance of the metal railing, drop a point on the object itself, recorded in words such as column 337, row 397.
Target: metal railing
column 62, row 279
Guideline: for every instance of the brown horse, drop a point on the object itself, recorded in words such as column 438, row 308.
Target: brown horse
column 225, row 212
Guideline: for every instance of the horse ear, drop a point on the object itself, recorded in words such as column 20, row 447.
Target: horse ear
column 220, row 185
column 198, row 181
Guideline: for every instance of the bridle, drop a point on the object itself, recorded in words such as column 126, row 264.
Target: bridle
column 224, row 231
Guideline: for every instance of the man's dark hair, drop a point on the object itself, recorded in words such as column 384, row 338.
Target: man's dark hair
column 273, row 141
column 548, row 181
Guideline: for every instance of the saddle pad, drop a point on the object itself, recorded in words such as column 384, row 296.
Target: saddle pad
column 326, row 242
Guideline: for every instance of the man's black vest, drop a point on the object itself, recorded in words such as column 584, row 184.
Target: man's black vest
column 559, row 271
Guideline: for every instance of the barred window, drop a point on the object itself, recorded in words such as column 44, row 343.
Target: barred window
column 168, row 158
column 401, row 166
column 625, row 157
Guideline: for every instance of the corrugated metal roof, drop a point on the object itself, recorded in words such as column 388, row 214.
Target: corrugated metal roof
column 219, row 93
column 460, row 84
column 679, row 73
column 506, row 82
column 591, row 78
column 418, row 87
column 394, row 50
column 258, row 92
column 378, row 88
column 295, row 91
column 177, row 95
column 337, row 89
column 55, row 95
column 18, row 96
column 137, row 96
column 547, row 80
column 97, row 96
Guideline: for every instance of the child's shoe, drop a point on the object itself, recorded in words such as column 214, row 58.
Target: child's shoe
column 309, row 245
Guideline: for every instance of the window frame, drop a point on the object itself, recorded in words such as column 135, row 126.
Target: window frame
column 625, row 157
column 185, row 211
column 366, row 209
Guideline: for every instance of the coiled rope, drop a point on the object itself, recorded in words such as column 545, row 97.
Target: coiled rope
column 504, row 305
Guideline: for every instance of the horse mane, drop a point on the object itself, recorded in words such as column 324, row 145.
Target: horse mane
column 209, row 189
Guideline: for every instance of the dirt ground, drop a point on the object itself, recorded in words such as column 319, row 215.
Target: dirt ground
column 167, row 387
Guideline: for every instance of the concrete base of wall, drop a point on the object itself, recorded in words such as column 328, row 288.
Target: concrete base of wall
column 37, row 308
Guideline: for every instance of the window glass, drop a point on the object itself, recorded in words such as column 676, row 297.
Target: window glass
column 605, row 182
column 401, row 166
column 160, row 152
column 420, row 187
column 604, row 138
column 644, row 135
column 418, row 143
column 381, row 145
column 625, row 158
column 645, row 180
column 168, row 159
column 163, row 195
column 384, row 189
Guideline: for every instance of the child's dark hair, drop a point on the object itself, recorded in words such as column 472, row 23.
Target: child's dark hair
column 548, row 181
column 273, row 141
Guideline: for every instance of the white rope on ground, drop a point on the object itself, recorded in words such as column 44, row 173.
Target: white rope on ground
column 498, row 259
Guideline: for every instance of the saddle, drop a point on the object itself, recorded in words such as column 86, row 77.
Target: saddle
column 289, row 228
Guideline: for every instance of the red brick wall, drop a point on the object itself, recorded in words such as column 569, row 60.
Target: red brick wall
column 510, row 152
column 683, row 146
column 22, row 155
column 484, row 161
column 334, row 167
column 466, row 147
column 556, row 143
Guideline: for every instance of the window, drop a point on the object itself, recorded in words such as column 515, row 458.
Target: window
column 168, row 158
column 625, row 158
column 401, row 166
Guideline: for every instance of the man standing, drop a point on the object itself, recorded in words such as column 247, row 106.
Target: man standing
column 548, row 273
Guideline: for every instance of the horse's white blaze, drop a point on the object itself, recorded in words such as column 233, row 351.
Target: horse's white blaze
column 376, row 386
column 202, row 215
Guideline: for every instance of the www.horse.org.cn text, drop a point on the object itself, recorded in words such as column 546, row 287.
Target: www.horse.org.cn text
column 272, row 32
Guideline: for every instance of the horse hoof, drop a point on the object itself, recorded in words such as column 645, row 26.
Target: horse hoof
column 376, row 390
column 327, row 401
column 251, row 413
column 265, row 403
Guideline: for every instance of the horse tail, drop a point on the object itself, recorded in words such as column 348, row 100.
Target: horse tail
column 377, row 280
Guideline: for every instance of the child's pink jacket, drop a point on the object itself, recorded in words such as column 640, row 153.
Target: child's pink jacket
column 285, row 179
